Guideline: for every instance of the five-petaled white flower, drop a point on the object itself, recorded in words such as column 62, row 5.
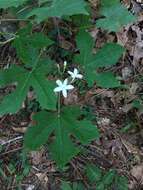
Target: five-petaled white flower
column 63, row 87
column 75, row 74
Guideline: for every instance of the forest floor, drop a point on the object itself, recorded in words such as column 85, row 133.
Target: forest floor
column 118, row 113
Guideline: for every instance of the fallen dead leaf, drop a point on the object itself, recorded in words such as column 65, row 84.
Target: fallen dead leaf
column 131, row 148
column 20, row 129
column 37, row 156
column 133, row 88
column 43, row 178
column 137, row 173
column 72, row 98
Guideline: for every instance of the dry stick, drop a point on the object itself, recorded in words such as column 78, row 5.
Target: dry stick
column 13, row 20
column 7, row 41
column 14, row 150
column 78, row 172
column 56, row 23
column 12, row 140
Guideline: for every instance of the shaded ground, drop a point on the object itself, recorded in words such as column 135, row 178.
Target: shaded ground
column 117, row 113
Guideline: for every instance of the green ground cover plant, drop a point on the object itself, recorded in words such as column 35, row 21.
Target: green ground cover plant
column 59, row 125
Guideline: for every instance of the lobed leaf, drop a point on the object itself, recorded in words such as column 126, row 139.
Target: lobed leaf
column 107, row 80
column 93, row 173
column 62, row 147
column 65, row 186
column 11, row 3
column 38, row 135
column 116, row 15
column 109, row 177
column 24, row 79
column 28, row 44
column 122, row 183
column 107, row 56
column 59, row 8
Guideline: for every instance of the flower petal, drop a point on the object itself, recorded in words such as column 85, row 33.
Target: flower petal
column 79, row 76
column 64, row 92
column 69, row 87
column 57, row 89
column 59, row 82
column 70, row 73
column 75, row 71
column 65, row 82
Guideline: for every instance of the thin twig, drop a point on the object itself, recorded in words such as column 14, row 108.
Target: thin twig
column 14, row 150
column 12, row 140
column 13, row 20
column 7, row 41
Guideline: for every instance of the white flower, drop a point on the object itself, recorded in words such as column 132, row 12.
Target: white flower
column 63, row 87
column 75, row 74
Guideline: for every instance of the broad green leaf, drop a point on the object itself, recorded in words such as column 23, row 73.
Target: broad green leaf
column 116, row 16
column 81, row 21
column 62, row 147
column 65, row 186
column 43, row 1
column 107, row 56
column 90, row 75
column 11, row 3
column 28, row 48
column 38, row 135
column 24, row 79
column 83, row 130
column 137, row 104
column 85, row 44
column 122, row 183
column 109, row 177
column 78, row 186
column 60, row 8
column 93, row 173
column 106, row 80
column 63, row 150
column 28, row 44
column 100, row 186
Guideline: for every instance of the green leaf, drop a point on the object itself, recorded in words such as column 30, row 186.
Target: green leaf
column 63, row 150
column 100, row 186
column 62, row 147
column 109, row 177
column 93, row 173
column 107, row 56
column 28, row 44
column 122, row 183
column 28, row 49
column 85, row 44
column 60, row 8
column 82, row 21
column 11, row 3
column 42, row 1
column 137, row 104
column 78, row 186
column 116, row 16
column 107, row 80
column 40, row 132
column 65, row 186
column 83, row 130
column 24, row 79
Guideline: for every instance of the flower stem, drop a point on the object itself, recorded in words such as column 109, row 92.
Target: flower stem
column 59, row 104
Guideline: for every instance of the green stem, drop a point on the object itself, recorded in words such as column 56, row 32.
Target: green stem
column 59, row 104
